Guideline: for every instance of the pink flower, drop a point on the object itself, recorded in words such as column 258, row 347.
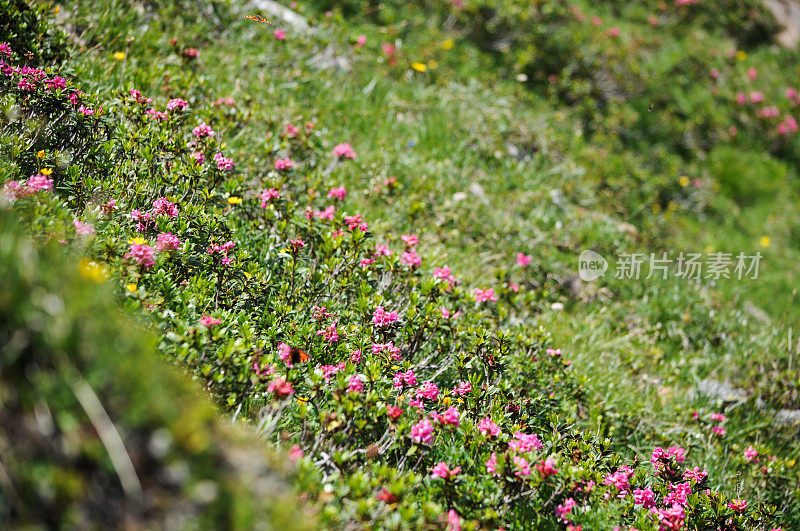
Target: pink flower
column 741, row 99
column 756, row 97
column 523, row 467
column 738, row 506
column 695, row 474
column 385, row 496
column 394, row 352
column 283, row 164
column 405, row 378
column 382, row 317
column 524, row 442
column 291, row 130
column 644, row 497
column 483, row 295
column 388, row 49
column 714, row 73
column 752, row 73
column 422, row 432
column 203, row 130
column 176, row 104
column 393, row 412
column 444, row 273
column 166, row 241
column 428, row 390
column 56, row 83
column 285, row 354
column 297, row 244
column 5, row 49
column 355, row 356
column 82, row 228
column 366, row 262
column 164, row 207
column 718, row 430
column 411, row 259
column 671, row 519
column 280, row 387
column 191, row 53
column 268, row 195
column 487, row 427
column 442, row 471
column 338, row 193
column 279, row 34
column 355, row 384
column 344, row 150
column 523, row 260
column 295, row 452
column 361, row 41
column 453, row 521
column 566, row 508
column 410, row 239
column 719, row 417
column 462, row 389
column 613, row 32
column 450, row 416
column 547, row 467
column 329, row 333
column 108, row 208
column 750, row 454
column 198, row 157
column 382, row 250
column 491, row 465
column 39, row 183
column 354, row 222
column 619, row 480
column 143, row 254
column 209, row 321
column 678, row 493
column 223, row 162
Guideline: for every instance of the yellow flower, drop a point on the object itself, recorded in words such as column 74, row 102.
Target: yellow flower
column 684, row 181
column 433, row 64
column 137, row 241
column 741, row 55
column 765, row 241
column 419, row 67
column 45, row 171
column 93, row 270
column 448, row 44
column 233, row 200
column 302, row 399
column 40, row 154
column 446, row 400
column 119, row 56
column 395, row 368
column 131, row 287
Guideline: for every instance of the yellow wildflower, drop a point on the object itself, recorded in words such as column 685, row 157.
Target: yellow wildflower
column 765, row 241
column 233, row 200
column 92, row 270
column 131, row 287
column 433, row 64
column 684, row 181
column 448, row 44
column 45, row 171
column 137, row 241
column 741, row 55
column 119, row 56
column 40, row 154
column 419, row 67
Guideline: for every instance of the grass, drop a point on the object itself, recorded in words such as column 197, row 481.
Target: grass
column 488, row 166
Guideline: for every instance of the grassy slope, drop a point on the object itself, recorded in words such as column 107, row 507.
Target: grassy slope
column 660, row 331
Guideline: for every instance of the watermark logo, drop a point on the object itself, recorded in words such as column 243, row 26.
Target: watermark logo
column 591, row 266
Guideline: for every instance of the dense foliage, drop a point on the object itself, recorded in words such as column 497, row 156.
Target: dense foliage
column 406, row 398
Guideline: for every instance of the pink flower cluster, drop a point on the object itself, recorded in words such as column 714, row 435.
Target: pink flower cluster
column 143, row 254
column 37, row 183
column 442, row 471
column 344, row 150
column 166, row 241
column 383, row 318
column 268, row 195
column 422, row 432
